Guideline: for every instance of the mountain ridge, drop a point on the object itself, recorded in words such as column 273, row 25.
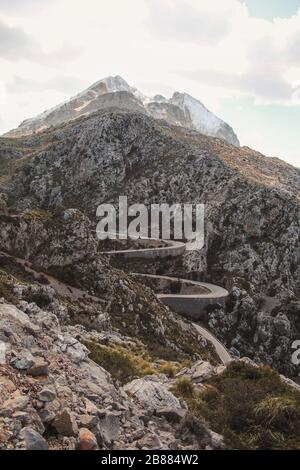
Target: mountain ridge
column 182, row 110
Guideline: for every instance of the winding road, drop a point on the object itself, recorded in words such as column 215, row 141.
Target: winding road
column 189, row 304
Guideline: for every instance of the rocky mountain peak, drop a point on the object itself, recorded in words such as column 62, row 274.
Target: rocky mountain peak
column 114, row 92
column 110, row 85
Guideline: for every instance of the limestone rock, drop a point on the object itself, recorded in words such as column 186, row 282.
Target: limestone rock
column 109, row 427
column 202, row 371
column 151, row 393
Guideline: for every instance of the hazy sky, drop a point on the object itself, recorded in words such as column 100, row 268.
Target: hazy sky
column 240, row 58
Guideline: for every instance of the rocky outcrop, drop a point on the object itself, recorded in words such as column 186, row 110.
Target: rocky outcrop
column 151, row 393
column 71, row 402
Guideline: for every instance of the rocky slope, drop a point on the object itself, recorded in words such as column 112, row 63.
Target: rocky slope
column 53, row 397
column 252, row 211
column 114, row 92
column 70, row 382
column 64, row 304
column 88, row 356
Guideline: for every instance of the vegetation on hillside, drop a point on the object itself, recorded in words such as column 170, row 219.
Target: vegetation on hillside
column 251, row 406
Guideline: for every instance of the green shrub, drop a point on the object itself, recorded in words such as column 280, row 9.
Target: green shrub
column 168, row 369
column 278, row 411
column 184, row 388
column 116, row 363
column 250, row 406
column 123, row 365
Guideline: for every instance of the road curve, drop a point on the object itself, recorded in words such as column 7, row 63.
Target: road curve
column 210, row 292
column 172, row 248
column 182, row 303
column 219, row 347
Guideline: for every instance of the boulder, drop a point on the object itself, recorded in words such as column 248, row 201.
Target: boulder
column 88, row 421
column 18, row 403
column 33, row 440
column 109, row 427
column 150, row 441
column 173, row 415
column 49, row 412
column 47, row 394
column 76, row 351
column 38, row 368
column 29, row 418
column 12, row 312
column 3, row 349
column 151, row 393
column 202, row 371
column 87, row 440
column 65, row 423
column 23, row 361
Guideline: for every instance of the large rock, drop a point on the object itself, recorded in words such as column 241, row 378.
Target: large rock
column 202, row 371
column 65, row 423
column 47, row 394
column 23, row 361
column 88, row 421
column 13, row 313
column 87, row 440
column 3, row 349
column 76, row 351
column 109, row 427
column 33, row 440
column 151, row 393
column 150, row 441
column 38, row 368
column 174, row 415
column 18, row 403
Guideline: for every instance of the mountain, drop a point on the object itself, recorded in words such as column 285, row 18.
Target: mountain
column 89, row 356
column 252, row 212
column 114, row 92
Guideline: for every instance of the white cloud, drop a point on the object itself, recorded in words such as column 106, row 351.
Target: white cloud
column 234, row 51
column 23, row 7
column 15, row 43
column 190, row 21
column 62, row 84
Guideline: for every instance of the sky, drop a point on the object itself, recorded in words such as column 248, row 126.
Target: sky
column 241, row 58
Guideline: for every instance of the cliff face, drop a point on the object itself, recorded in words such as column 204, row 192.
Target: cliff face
column 252, row 211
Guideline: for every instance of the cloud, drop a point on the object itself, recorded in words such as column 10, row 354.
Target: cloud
column 266, row 84
column 66, row 53
column 188, row 21
column 292, row 52
column 21, row 7
column 63, row 84
column 16, row 44
column 255, row 57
